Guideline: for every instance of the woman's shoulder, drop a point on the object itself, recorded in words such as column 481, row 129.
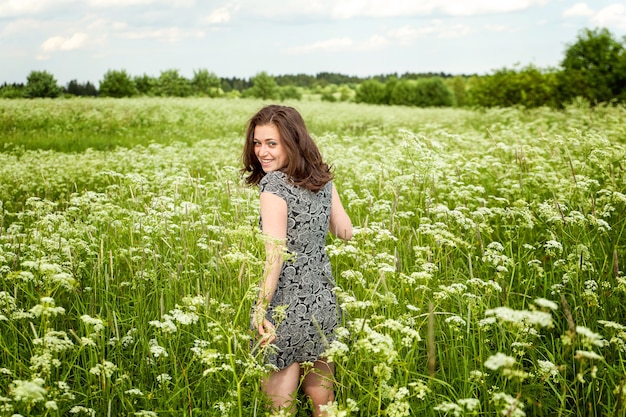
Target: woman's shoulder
column 273, row 181
column 273, row 176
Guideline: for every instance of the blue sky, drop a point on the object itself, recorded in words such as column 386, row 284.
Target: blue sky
column 82, row 39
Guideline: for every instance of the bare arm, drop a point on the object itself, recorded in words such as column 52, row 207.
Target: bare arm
column 340, row 223
column 274, row 220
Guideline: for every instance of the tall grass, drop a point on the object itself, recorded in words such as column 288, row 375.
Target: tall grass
column 485, row 276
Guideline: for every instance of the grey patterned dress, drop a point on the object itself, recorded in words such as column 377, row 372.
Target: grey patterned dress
column 306, row 283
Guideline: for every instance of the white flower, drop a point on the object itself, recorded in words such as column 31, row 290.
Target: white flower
column 586, row 354
column 547, row 368
column 80, row 409
column 29, row 391
column 521, row 317
column 157, row 350
column 499, row 360
column 590, row 338
column 542, row 302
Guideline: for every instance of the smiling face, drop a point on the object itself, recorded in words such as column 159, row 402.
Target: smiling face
column 269, row 148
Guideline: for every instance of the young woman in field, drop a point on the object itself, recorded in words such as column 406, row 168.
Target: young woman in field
column 296, row 311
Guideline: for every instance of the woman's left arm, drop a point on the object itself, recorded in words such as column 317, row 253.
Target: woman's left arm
column 274, row 221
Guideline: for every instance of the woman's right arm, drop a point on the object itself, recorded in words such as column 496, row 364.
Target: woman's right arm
column 340, row 223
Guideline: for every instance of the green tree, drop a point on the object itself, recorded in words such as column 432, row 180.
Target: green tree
column 12, row 90
column 146, row 85
column 78, row 89
column 172, row 84
column 117, row 83
column 289, row 92
column 264, row 86
column 404, row 93
column 593, row 67
column 528, row 87
column 41, row 84
column 434, row 92
column 371, row 92
column 458, row 86
column 205, row 83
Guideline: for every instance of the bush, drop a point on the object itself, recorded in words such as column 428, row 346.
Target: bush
column 41, row 84
column 371, row 92
column 117, row 83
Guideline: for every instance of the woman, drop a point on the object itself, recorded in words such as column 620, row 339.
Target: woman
column 296, row 311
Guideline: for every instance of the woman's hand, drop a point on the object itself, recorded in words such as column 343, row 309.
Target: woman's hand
column 265, row 328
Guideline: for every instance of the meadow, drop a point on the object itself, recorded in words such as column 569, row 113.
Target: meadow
column 485, row 277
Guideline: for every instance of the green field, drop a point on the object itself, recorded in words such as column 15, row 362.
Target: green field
column 486, row 275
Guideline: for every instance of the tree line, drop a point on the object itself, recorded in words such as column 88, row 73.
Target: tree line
column 593, row 68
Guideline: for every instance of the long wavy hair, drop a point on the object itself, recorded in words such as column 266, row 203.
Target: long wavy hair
column 305, row 166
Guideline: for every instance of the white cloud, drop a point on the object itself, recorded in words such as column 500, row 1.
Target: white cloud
column 329, row 45
column 405, row 35
column 346, row 9
column 168, row 35
column 579, row 9
column 222, row 14
column 497, row 28
column 60, row 43
column 20, row 26
column 13, row 8
column 613, row 16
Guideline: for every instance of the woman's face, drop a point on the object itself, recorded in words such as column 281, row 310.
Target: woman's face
column 269, row 148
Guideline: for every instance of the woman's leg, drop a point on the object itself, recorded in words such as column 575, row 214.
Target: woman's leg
column 318, row 385
column 281, row 386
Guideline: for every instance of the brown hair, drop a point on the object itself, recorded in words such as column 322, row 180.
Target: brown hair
column 305, row 166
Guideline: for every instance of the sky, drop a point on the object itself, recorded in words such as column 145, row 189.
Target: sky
column 83, row 39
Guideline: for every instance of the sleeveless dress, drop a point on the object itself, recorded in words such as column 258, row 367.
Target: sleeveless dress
column 305, row 286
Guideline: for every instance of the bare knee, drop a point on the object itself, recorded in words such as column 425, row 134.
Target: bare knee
column 318, row 385
column 281, row 386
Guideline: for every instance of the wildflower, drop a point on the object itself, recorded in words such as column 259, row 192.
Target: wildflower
column 145, row 413
column 511, row 406
column 98, row 324
column 612, row 324
column 29, row 391
column 134, row 391
column 449, row 408
column 590, row 338
column 167, row 326
column 107, row 368
column 336, row 350
column 420, row 388
column 46, row 308
column 477, row 376
column 553, row 247
column 163, row 378
column 470, row 404
column 585, row 354
column 54, row 341
column 157, row 350
column 80, row 409
column 332, row 409
column 547, row 369
column 542, row 302
column 182, row 317
column 521, row 317
column 499, row 360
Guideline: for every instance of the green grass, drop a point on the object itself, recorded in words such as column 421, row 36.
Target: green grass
column 485, row 276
